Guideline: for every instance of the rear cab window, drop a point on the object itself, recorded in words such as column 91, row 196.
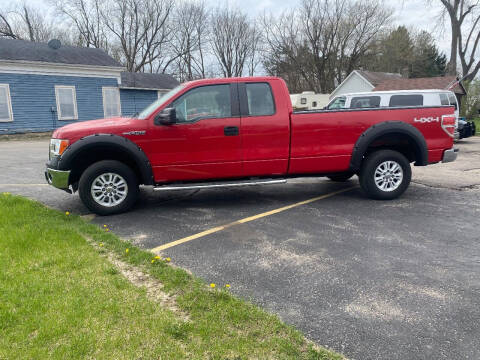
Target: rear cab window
column 260, row 99
column 406, row 100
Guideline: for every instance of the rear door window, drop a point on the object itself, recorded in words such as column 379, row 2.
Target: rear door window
column 260, row 99
column 406, row 100
column 365, row 102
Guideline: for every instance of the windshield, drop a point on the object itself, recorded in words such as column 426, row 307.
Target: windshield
column 156, row 104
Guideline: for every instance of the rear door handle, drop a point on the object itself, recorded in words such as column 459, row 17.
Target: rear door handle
column 231, row 130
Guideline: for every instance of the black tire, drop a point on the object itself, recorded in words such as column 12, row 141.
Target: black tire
column 103, row 168
column 341, row 177
column 369, row 167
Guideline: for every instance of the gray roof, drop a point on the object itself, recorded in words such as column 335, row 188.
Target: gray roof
column 376, row 78
column 35, row 51
column 148, row 81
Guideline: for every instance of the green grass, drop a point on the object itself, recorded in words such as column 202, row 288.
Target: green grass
column 477, row 126
column 60, row 299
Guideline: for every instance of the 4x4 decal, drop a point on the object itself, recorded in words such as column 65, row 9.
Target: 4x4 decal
column 424, row 120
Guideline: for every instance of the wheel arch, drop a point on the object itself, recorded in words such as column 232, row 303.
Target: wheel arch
column 90, row 149
column 395, row 135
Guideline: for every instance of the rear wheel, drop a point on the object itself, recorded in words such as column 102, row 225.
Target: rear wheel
column 341, row 177
column 108, row 187
column 385, row 175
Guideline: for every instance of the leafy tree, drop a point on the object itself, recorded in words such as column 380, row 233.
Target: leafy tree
column 427, row 60
column 471, row 102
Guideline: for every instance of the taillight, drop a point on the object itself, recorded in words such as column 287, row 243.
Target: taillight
column 448, row 124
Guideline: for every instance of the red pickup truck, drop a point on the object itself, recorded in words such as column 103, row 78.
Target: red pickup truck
column 243, row 131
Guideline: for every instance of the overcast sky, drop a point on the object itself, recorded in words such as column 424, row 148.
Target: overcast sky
column 412, row 13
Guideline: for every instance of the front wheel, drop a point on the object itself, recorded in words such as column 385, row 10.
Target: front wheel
column 385, row 175
column 108, row 187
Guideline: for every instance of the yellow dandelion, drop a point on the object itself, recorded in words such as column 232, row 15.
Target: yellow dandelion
column 127, row 250
column 168, row 259
column 101, row 244
column 104, row 226
column 107, row 230
column 153, row 260
column 227, row 286
column 157, row 257
column 212, row 285
column 67, row 213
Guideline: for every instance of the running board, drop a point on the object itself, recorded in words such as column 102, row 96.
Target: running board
column 214, row 185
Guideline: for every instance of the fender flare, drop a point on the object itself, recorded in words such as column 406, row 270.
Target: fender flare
column 384, row 128
column 66, row 161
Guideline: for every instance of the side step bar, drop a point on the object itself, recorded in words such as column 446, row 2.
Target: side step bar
column 214, row 185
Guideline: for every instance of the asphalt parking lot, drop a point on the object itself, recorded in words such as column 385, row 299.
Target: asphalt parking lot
column 370, row 279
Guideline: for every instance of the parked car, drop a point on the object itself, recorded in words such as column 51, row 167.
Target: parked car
column 465, row 128
column 243, row 131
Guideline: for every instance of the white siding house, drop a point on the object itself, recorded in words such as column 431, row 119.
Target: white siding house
column 362, row 81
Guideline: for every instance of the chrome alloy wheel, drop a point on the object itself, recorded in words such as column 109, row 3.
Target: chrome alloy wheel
column 109, row 189
column 388, row 176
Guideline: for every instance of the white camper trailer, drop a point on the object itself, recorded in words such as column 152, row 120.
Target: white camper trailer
column 308, row 100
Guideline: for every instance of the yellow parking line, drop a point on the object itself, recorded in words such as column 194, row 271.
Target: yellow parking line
column 245, row 220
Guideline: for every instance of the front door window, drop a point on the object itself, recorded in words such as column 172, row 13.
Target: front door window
column 206, row 102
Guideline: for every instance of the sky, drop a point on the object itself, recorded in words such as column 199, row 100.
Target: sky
column 411, row 13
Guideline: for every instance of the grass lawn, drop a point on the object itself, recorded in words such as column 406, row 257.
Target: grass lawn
column 61, row 298
column 477, row 125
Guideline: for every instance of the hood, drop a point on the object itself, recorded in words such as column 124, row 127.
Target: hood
column 114, row 125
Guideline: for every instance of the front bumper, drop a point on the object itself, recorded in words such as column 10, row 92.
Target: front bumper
column 57, row 178
column 450, row 155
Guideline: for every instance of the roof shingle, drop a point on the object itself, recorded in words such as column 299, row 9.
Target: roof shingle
column 21, row 50
column 148, row 81
column 376, row 78
column 420, row 84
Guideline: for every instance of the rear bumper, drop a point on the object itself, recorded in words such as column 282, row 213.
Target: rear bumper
column 450, row 155
column 57, row 178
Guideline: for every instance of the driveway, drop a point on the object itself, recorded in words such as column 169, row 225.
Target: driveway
column 370, row 279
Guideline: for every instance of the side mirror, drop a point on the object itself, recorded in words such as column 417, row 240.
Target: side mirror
column 167, row 116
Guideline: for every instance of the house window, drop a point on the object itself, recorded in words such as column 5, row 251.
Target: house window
column 303, row 101
column 66, row 102
column 5, row 104
column 111, row 102
column 160, row 93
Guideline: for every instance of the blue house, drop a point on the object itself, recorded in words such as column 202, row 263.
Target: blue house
column 46, row 86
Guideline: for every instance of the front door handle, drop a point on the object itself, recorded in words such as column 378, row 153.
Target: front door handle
column 231, row 130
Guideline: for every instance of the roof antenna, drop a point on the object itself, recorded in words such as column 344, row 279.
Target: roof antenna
column 54, row 44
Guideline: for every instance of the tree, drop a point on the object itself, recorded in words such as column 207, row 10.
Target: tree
column 322, row 41
column 26, row 23
column 86, row 17
column 471, row 101
column 427, row 60
column 233, row 40
column 464, row 18
column 394, row 53
column 189, row 40
column 412, row 55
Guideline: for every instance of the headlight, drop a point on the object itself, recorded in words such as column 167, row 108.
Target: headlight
column 57, row 147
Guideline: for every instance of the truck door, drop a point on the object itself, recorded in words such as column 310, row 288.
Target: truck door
column 265, row 129
column 205, row 142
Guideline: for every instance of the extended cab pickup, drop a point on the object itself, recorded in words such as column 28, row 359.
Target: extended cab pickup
column 242, row 131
